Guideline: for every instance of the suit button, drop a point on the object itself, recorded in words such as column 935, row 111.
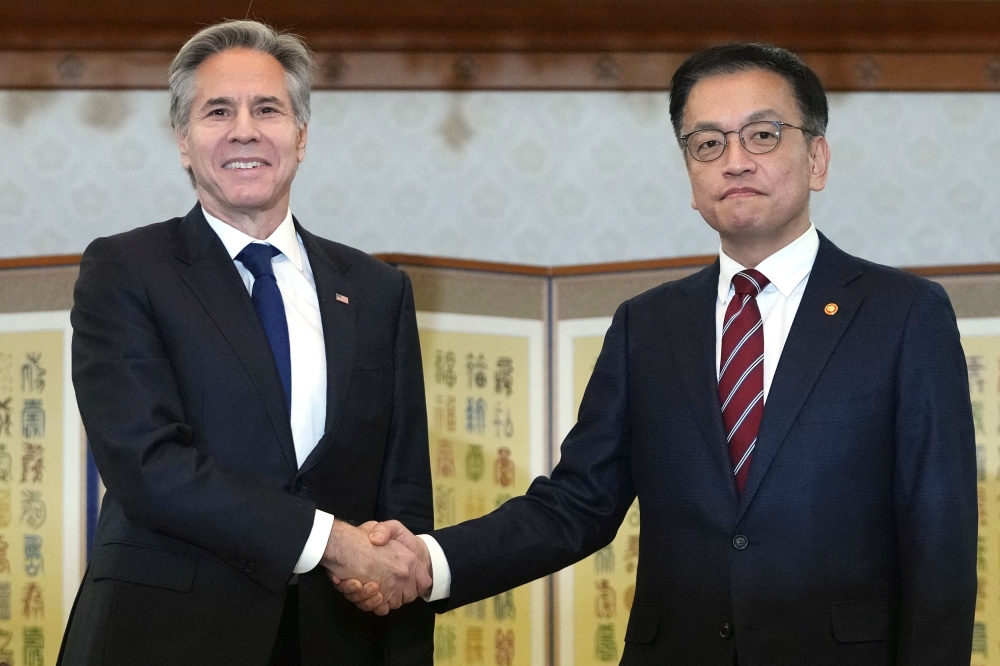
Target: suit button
column 726, row 630
column 740, row 542
column 298, row 486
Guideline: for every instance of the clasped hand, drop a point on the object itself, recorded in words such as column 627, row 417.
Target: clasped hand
column 377, row 566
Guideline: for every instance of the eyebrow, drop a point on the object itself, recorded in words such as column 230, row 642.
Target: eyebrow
column 220, row 101
column 229, row 101
column 763, row 114
column 766, row 114
column 269, row 100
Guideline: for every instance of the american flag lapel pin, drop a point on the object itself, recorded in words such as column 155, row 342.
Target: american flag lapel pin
column 342, row 298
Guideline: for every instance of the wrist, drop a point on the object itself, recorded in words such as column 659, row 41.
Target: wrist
column 423, row 554
column 333, row 557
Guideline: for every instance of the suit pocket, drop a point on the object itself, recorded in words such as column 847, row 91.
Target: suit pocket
column 839, row 411
column 860, row 621
column 643, row 624
column 146, row 566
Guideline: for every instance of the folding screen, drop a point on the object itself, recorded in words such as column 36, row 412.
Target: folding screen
column 42, row 489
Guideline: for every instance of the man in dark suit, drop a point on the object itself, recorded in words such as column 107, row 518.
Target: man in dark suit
column 242, row 382
column 795, row 422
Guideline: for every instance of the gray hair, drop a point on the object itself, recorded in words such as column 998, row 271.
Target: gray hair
column 288, row 49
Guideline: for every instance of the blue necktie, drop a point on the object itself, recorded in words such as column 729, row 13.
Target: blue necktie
column 256, row 257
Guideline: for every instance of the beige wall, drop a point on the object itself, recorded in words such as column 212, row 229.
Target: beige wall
column 525, row 177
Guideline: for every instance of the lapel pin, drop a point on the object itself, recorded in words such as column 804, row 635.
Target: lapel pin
column 831, row 309
column 343, row 299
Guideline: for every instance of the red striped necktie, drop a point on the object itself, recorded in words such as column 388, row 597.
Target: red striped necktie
column 741, row 371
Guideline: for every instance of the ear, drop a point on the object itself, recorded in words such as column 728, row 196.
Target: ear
column 181, row 140
column 819, row 163
column 301, row 147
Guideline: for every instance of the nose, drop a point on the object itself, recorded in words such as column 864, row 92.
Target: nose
column 244, row 128
column 736, row 159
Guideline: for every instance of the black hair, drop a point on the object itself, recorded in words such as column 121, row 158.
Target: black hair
column 744, row 56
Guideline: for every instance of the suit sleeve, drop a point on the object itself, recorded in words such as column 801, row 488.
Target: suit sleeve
column 564, row 518
column 132, row 410
column 405, row 492
column 935, row 488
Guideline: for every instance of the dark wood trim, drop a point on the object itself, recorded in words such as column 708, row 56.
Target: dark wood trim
column 697, row 261
column 517, row 25
column 495, row 71
column 399, row 259
column 84, row 70
column 914, row 72
column 402, row 259
column 514, row 44
column 595, row 71
column 949, row 271
column 40, row 262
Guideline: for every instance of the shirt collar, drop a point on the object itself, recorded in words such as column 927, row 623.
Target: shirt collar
column 786, row 268
column 284, row 238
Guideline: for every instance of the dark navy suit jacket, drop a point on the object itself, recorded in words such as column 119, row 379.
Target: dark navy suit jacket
column 854, row 541
column 206, row 511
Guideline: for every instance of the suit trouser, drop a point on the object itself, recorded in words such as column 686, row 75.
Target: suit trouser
column 286, row 644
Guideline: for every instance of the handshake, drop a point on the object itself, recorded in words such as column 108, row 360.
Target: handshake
column 377, row 566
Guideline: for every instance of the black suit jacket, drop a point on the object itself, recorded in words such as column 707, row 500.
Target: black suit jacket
column 854, row 541
column 206, row 512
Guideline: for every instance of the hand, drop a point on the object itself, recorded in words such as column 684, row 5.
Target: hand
column 392, row 530
column 368, row 597
column 390, row 570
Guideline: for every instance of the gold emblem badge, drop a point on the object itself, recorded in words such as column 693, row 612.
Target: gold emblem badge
column 831, row 309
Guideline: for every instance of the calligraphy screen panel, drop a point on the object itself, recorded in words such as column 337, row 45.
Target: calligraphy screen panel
column 595, row 595
column 976, row 300
column 981, row 341
column 484, row 379
column 41, row 486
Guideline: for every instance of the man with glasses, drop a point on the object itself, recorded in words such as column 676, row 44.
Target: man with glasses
column 795, row 422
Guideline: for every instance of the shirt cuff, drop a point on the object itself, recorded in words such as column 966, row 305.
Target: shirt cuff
column 315, row 546
column 440, row 570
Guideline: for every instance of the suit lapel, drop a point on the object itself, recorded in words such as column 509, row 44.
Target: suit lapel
column 339, row 332
column 810, row 343
column 695, row 355
column 216, row 283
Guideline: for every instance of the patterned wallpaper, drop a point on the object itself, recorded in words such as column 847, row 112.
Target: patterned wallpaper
column 541, row 178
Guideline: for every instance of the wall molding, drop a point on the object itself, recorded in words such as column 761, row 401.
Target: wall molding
column 946, row 45
column 594, row 71
column 401, row 259
column 517, row 25
column 41, row 262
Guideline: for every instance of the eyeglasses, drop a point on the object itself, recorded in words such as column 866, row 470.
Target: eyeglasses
column 760, row 137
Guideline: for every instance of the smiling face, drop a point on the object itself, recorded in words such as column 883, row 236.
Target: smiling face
column 242, row 144
column 757, row 203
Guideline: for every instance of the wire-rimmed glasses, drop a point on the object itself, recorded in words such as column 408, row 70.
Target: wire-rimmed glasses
column 758, row 137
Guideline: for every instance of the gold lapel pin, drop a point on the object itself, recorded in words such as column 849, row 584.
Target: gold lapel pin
column 831, row 309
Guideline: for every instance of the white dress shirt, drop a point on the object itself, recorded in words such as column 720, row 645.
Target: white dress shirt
column 308, row 351
column 788, row 270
